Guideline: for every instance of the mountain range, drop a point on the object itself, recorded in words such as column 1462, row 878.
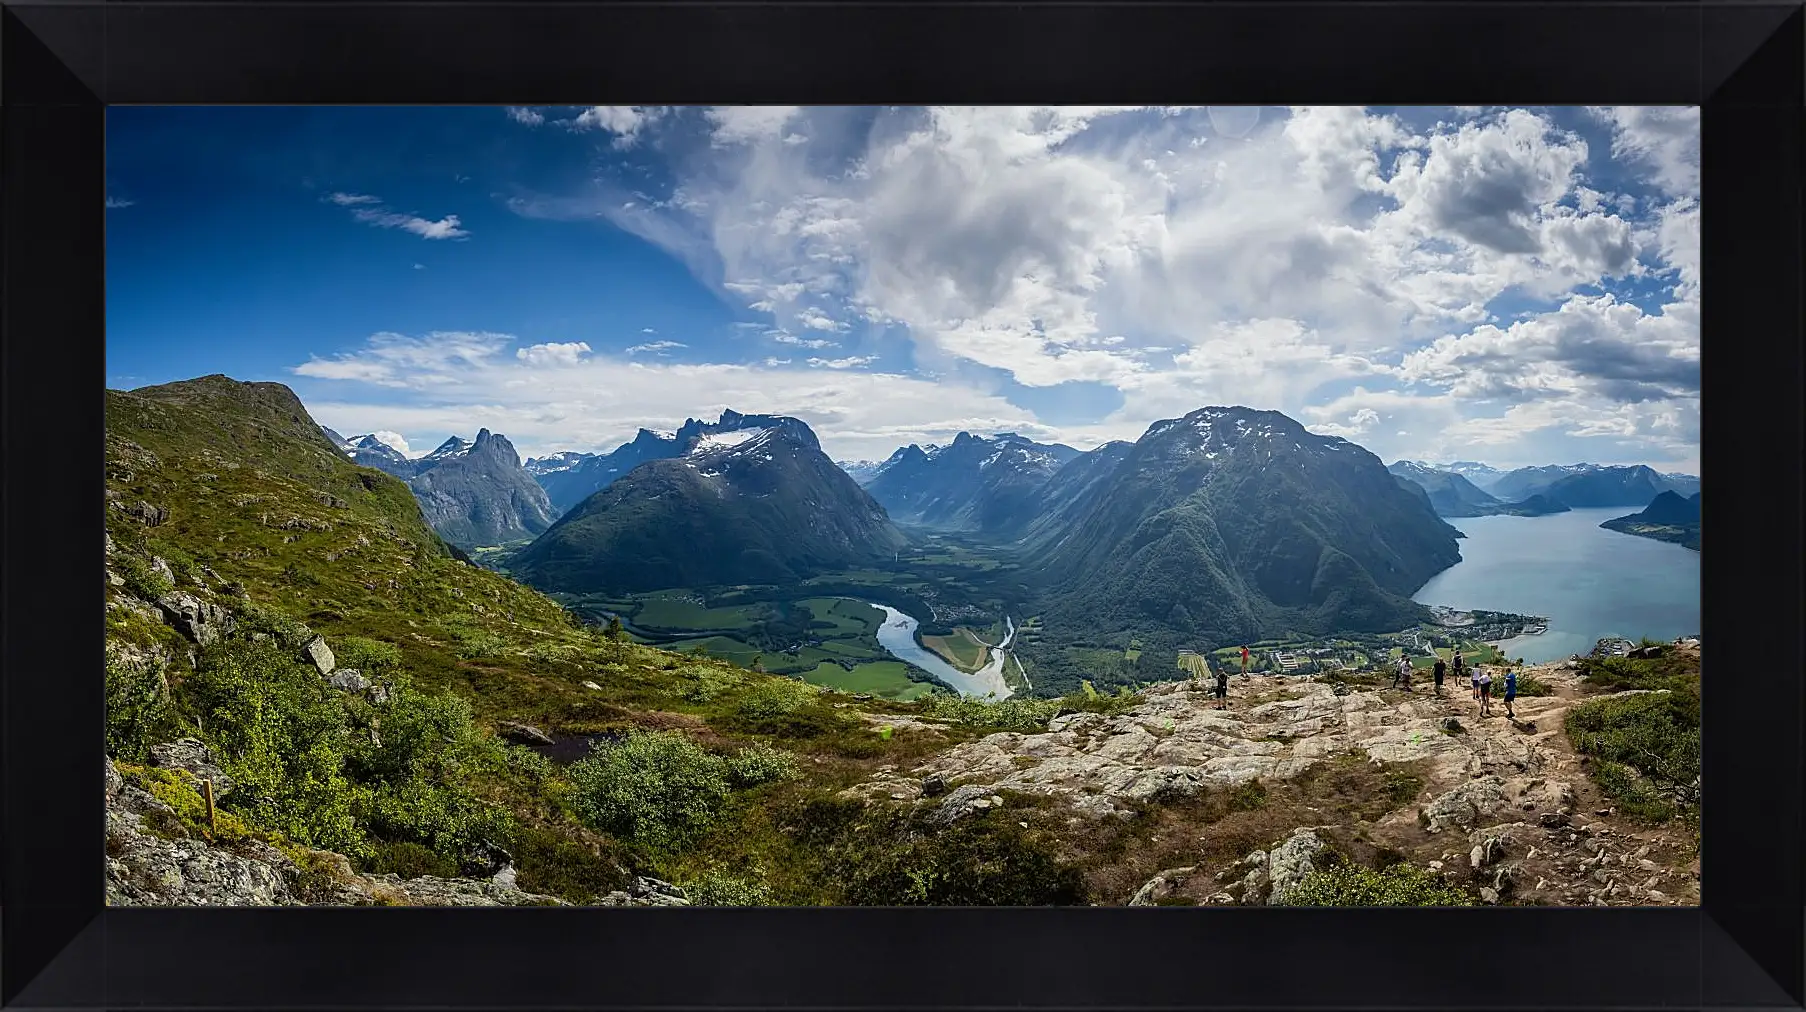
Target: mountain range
column 1592, row 485
column 473, row 493
column 751, row 499
column 1452, row 495
column 1467, row 489
column 975, row 483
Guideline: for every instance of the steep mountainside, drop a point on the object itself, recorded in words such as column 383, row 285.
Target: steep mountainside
column 1668, row 517
column 754, row 500
column 1232, row 524
column 863, row 471
column 1066, row 496
column 477, row 494
column 571, row 485
column 1450, row 494
column 975, row 483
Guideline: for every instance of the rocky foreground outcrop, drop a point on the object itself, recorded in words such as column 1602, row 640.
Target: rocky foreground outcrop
column 152, row 860
column 1505, row 806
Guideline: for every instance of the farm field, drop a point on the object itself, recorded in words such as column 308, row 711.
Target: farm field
column 889, row 679
column 963, row 649
column 676, row 610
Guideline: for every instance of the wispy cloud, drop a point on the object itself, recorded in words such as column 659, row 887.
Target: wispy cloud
column 850, row 362
column 655, row 346
column 522, row 114
column 444, row 228
column 369, row 210
column 119, row 202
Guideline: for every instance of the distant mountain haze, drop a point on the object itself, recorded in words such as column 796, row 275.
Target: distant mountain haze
column 975, row 483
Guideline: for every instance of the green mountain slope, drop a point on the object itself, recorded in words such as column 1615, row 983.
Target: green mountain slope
column 760, row 505
column 1231, row 524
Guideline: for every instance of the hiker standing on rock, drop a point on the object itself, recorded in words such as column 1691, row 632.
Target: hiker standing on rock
column 1440, row 671
column 1222, row 689
column 1404, row 672
column 1484, row 681
column 1460, row 666
column 1473, row 677
column 1511, row 692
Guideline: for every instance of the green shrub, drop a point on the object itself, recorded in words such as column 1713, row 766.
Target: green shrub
column 255, row 618
column 141, row 578
column 761, row 764
column 409, row 860
column 1248, row 797
column 776, row 697
column 139, row 713
column 702, row 683
column 1399, row 885
column 180, row 562
column 1012, row 714
column 372, row 657
column 474, row 643
column 977, row 861
column 657, row 789
column 717, row 888
column 552, row 864
column 1645, row 750
column 282, row 736
column 179, row 790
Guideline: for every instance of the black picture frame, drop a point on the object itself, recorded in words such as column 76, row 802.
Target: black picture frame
column 61, row 64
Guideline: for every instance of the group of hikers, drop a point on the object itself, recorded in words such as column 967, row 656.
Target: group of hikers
column 1479, row 680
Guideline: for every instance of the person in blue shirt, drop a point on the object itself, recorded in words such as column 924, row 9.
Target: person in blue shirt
column 1511, row 691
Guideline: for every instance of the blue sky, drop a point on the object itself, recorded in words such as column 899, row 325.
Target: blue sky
column 1511, row 285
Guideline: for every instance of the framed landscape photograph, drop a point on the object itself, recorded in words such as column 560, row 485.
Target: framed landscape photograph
column 529, row 527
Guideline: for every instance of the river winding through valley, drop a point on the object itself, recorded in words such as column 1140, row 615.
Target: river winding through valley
column 898, row 636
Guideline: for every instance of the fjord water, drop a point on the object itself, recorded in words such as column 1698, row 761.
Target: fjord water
column 1589, row 582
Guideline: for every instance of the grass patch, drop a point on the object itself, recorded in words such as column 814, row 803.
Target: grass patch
column 1399, row 885
column 1644, row 751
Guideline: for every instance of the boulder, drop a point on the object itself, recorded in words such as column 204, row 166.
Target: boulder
column 1290, row 862
column 201, row 621
column 192, row 756
column 646, row 892
column 114, row 781
column 146, row 514
column 1464, row 805
column 348, row 679
column 592, row 685
column 934, row 785
column 962, row 802
column 318, row 652
column 523, row 734
column 1161, row 886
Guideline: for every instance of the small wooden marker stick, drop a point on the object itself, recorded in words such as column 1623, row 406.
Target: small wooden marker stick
column 207, row 794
